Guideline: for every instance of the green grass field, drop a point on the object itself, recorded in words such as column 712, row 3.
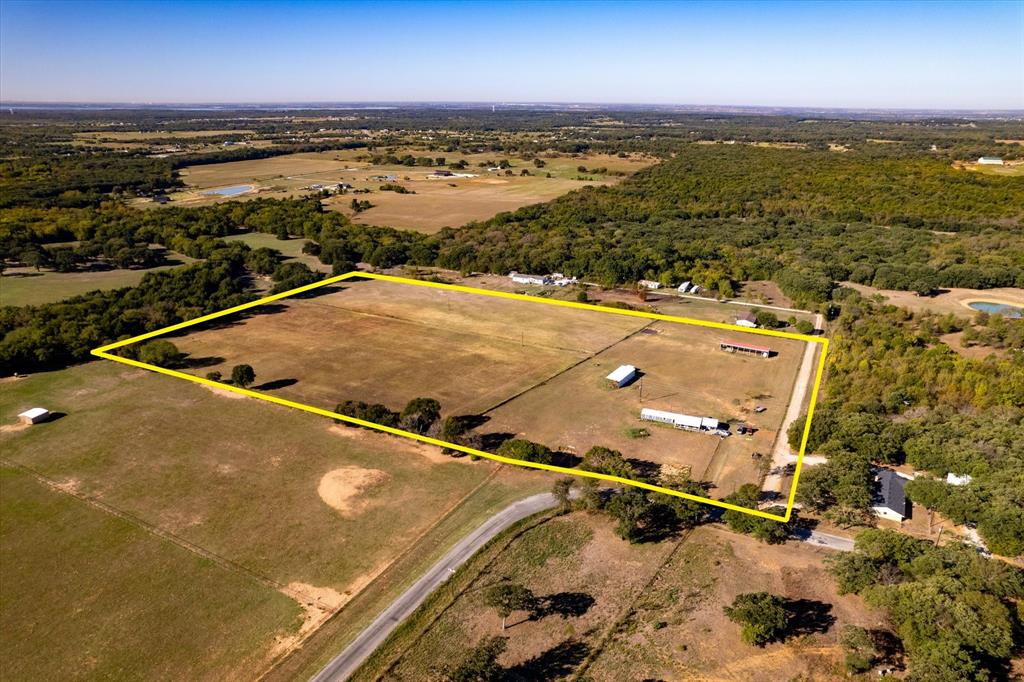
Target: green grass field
column 289, row 248
column 241, row 479
column 86, row 595
column 27, row 287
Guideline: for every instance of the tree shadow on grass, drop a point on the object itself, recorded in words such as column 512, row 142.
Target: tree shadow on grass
column 555, row 663
column 564, row 604
column 275, row 384
column 196, row 363
column 808, row 616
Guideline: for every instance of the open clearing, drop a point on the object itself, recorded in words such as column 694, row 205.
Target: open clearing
column 435, row 203
column 951, row 300
column 26, row 286
column 238, row 479
column 524, row 369
column 632, row 612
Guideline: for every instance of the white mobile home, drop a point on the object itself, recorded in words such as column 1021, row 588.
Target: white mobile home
column 649, row 284
column 529, row 279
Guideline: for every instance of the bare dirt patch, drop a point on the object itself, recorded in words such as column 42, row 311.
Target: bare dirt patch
column 342, row 488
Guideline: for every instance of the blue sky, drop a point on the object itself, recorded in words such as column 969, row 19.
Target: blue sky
column 815, row 54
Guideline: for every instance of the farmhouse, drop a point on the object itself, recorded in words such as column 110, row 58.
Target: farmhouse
column 649, row 284
column 890, row 501
column 34, row 415
column 622, row 376
column 990, row 161
column 740, row 347
column 683, row 421
column 747, row 319
column 529, row 279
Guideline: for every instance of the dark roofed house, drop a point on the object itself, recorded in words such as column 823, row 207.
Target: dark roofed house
column 890, row 501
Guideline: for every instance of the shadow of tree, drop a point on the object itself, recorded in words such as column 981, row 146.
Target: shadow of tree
column 564, row 604
column 555, row 663
column 275, row 384
column 196, row 363
column 808, row 616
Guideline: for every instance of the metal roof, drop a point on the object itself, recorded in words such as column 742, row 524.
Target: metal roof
column 622, row 373
column 746, row 346
column 34, row 412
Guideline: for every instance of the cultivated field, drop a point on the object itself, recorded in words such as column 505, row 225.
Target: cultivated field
column 616, row 611
column 436, row 203
column 290, row 507
column 527, row 369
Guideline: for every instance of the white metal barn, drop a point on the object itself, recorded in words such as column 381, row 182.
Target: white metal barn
column 990, row 161
column 684, row 287
column 34, row 415
column 622, row 376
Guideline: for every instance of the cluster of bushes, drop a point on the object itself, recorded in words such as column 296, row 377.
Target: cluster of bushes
column 420, row 415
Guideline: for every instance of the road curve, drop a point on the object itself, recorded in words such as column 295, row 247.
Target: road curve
column 346, row 663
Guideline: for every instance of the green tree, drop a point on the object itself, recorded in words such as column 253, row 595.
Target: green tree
column 242, row 375
column 160, row 353
column 604, row 460
column 507, row 597
column 561, row 490
column 859, row 651
column 420, row 415
column 520, row 448
column 761, row 615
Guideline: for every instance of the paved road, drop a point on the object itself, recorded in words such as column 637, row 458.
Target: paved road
column 813, row 537
column 345, row 663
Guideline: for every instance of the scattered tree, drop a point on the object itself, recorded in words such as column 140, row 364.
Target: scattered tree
column 762, row 616
column 242, row 375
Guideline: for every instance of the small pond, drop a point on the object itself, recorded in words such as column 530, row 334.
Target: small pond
column 993, row 308
column 229, row 191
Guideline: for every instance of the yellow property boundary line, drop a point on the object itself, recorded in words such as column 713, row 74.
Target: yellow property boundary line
column 104, row 352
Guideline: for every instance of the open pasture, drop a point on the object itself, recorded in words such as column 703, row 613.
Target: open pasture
column 26, row 286
column 528, row 370
column 432, row 203
column 294, row 503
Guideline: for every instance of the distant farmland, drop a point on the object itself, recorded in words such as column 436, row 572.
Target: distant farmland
column 430, row 204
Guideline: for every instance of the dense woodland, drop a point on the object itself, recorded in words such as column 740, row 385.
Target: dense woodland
column 894, row 215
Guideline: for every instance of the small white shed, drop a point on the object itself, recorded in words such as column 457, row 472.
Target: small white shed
column 34, row 415
column 622, row 375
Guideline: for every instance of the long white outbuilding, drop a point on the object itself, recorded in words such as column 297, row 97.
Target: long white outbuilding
column 680, row 421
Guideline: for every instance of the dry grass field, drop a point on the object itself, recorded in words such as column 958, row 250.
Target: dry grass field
column 435, row 203
column 531, row 370
column 631, row 612
column 287, row 504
